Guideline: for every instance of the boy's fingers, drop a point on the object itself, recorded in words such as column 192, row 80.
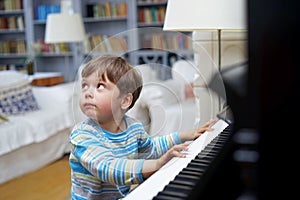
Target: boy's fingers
column 210, row 122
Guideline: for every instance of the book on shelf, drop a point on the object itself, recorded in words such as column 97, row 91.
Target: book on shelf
column 42, row 11
column 163, row 41
column 21, row 46
column 152, row 14
column 3, row 23
column 11, row 5
column 105, row 43
column 12, row 23
column 56, row 48
column 13, row 47
column 107, row 9
column 20, row 23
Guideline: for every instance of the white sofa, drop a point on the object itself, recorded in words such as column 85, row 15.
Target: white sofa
column 168, row 105
column 36, row 138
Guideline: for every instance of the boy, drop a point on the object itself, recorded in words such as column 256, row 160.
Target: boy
column 110, row 150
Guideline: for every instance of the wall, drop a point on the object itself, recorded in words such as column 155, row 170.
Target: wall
column 205, row 45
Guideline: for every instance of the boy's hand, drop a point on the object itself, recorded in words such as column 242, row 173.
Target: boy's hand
column 193, row 134
column 175, row 151
column 151, row 166
column 205, row 127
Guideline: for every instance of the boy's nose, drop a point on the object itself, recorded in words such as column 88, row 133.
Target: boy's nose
column 89, row 93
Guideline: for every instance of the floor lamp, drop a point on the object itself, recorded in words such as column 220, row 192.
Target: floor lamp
column 66, row 26
column 206, row 15
column 209, row 16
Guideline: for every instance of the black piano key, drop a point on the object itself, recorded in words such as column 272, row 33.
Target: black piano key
column 178, row 189
column 205, row 156
column 185, row 179
column 220, row 138
column 199, row 163
column 218, row 141
column 183, row 182
column 212, row 151
column 202, row 159
column 216, row 144
column 174, row 190
column 190, row 172
column 193, row 178
column 212, row 147
column 169, row 195
column 166, row 197
column 195, row 168
column 207, row 152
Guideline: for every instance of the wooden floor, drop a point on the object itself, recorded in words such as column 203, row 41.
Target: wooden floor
column 51, row 182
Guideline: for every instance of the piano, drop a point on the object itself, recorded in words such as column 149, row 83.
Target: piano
column 180, row 178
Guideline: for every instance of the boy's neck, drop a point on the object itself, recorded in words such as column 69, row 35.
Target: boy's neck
column 114, row 126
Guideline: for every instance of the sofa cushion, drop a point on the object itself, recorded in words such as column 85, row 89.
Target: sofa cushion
column 17, row 98
column 11, row 77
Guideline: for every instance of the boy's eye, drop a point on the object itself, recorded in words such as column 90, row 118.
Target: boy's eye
column 83, row 86
column 100, row 86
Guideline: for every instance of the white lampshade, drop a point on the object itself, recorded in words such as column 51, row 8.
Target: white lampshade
column 193, row 15
column 64, row 27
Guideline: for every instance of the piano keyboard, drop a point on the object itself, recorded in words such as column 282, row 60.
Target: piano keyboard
column 177, row 177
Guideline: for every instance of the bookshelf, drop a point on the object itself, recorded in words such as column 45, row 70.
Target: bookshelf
column 112, row 26
column 49, row 57
column 104, row 21
column 155, row 44
column 13, row 45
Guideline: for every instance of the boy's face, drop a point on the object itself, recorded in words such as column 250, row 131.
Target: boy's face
column 99, row 99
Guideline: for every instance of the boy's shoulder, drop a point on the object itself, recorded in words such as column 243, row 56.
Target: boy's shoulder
column 132, row 121
column 83, row 125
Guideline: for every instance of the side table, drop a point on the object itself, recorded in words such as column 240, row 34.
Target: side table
column 46, row 78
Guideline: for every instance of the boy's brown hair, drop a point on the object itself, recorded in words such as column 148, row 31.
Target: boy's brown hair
column 118, row 71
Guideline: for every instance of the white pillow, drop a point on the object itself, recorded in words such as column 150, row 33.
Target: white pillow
column 162, row 92
column 11, row 77
column 147, row 72
column 184, row 70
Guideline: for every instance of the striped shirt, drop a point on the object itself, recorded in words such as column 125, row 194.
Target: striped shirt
column 105, row 164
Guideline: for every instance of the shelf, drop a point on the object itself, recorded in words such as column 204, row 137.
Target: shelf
column 51, row 55
column 103, row 19
column 39, row 22
column 153, row 3
column 8, row 31
column 152, row 24
column 13, row 55
column 11, row 12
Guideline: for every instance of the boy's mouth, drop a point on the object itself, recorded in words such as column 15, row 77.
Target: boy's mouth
column 89, row 105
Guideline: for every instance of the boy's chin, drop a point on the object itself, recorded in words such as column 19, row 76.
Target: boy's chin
column 91, row 114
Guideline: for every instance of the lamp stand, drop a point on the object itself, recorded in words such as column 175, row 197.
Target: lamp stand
column 78, row 57
column 219, row 50
column 219, row 64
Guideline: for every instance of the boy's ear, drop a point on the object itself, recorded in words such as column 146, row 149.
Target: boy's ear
column 126, row 101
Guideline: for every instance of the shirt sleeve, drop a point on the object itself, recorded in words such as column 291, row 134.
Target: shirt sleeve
column 99, row 161
column 155, row 147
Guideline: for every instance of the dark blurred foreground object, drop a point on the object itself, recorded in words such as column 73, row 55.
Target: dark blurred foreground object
column 262, row 157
